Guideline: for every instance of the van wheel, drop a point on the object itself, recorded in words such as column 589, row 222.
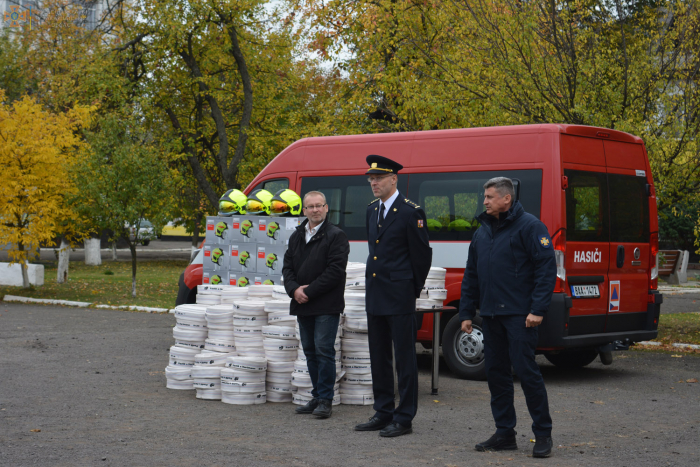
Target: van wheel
column 572, row 358
column 464, row 353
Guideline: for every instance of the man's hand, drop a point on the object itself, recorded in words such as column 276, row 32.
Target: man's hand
column 533, row 320
column 467, row 326
column 300, row 296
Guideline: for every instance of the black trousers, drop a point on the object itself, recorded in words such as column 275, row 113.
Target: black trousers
column 401, row 330
column 508, row 342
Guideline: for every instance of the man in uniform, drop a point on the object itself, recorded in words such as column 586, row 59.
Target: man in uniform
column 398, row 264
column 510, row 275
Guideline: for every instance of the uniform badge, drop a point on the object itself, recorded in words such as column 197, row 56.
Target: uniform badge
column 545, row 242
column 420, row 223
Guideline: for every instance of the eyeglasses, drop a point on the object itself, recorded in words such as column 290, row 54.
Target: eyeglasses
column 316, row 207
column 376, row 179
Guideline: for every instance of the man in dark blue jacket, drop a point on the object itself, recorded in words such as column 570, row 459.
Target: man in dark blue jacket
column 510, row 276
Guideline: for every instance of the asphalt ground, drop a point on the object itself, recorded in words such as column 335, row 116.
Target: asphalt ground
column 87, row 387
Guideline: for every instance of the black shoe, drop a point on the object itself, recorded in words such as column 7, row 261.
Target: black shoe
column 395, row 429
column 543, row 446
column 324, row 408
column 498, row 443
column 308, row 408
column 374, row 424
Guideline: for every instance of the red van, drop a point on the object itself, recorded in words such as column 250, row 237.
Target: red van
column 592, row 188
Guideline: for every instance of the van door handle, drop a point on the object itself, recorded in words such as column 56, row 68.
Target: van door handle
column 620, row 256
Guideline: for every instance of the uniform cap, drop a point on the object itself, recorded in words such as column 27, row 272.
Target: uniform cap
column 382, row 165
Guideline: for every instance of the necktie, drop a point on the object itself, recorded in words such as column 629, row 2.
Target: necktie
column 381, row 213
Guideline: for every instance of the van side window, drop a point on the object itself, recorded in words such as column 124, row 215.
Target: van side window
column 347, row 198
column 587, row 207
column 453, row 200
column 629, row 209
column 273, row 186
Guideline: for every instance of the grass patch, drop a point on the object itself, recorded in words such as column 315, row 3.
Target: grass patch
column 110, row 284
column 683, row 328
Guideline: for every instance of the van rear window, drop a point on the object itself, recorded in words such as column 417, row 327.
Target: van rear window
column 629, row 209
column 452, row 200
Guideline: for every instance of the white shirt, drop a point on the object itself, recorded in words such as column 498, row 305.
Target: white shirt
column 311, row 232
column 388, row 203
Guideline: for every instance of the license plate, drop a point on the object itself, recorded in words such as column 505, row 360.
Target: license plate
column 585, row 291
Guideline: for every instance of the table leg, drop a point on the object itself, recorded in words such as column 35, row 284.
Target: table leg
column 435, row 353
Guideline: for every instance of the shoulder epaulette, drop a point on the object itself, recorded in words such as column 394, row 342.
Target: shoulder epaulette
column 373, row 201
column 411, row 203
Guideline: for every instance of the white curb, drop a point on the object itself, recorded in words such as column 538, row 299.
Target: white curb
column 14, row 298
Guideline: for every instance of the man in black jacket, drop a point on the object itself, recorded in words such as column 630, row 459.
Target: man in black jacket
column 314, row 277
column 397, row 267
column 511, row 272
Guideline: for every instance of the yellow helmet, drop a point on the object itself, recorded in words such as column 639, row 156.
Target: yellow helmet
column 232, row 202
column 285, row 201
column 259, row 202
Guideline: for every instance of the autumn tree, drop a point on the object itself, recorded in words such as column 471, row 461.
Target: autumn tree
column 37, row 149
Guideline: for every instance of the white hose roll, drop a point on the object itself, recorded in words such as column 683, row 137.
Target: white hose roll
column 252, row 364
column 209, row 358
column 423, row 293
column 280, row 355
column 302, row 356
column 186, row 384
column 182, row 356
column 215, row 345
column 209, row 371
column 280, row 367
column 207, row 383
column 357, row 399
column 353, row 378
column 434, row 284
column 302, row 400
column 279, row 378
column 250, row 321
column 193, row 344
column 278, row 387
column 280, row 344
column 247, row 331
column 249, row 342
column 279, row 293
column 218, row 310
column 185, row 323
column 189, row 333
column 437, row 273
column 221, row 334
column 281, row 319
column 279, row 332
column 357, row 368
column 209, row 394
column 355, row 345
column 427, row 304
column 301, row 367
column 355, row 283
column 243, row 399
column 301, row 380
column 233, row 293
column 273, row 396
column 355, row 357
column 437, row 294
column 354, row 298
column 355, row 312
column 353, row 324
column 277, row 306
column 238, row 387
column 308, row 392
column 243, row 376
column 356, row 389
column 210, row 289
column 356, row 335
column 191, row 307
column 208, row 299
column 221, row 327
column 262, row 290
column 249, row 307
column 255, row 352
column 181, row 373
column 190, row 313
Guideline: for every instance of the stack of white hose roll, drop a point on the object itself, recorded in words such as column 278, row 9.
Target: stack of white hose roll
column 280, row 293
column 243, row 380
column 190, row 326
column 178, row 373
column 231, row 294
column 356, row 384
column 260, row 292
column 434, row 293
column 220, row 324
column 301, row 378
column 249, row 317
column 355, row 276
column 207, row 295
column 280, row 352
column 207, row 381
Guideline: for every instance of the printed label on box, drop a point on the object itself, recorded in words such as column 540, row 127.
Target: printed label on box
column 262, row 226
column 261, row 252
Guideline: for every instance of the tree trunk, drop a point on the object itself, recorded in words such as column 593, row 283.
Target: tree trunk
column 114, row 251
column 24, row 265
column 132, row 248
column 92, row 252
column 63, row 261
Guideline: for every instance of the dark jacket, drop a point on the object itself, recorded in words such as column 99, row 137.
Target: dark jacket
column 320, row 264
column 511, row 268
column 399, row 258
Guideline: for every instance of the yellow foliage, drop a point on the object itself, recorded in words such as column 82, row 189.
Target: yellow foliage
column 36, row 149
